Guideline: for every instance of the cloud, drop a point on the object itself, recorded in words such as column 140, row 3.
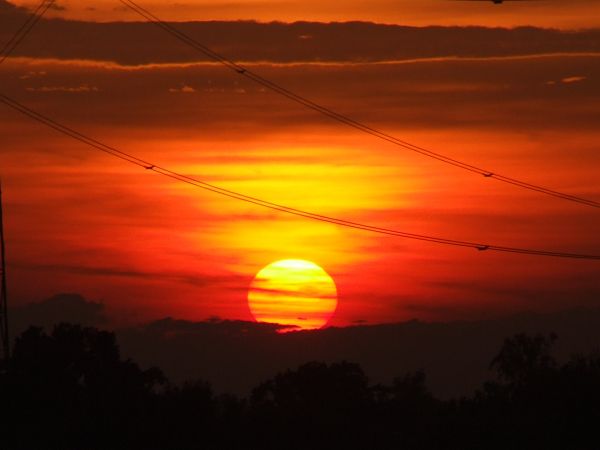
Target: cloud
column 493, row 93
column 185, row 89
column 285, row 43
column 567, row 80
column 170, row 327
column 575, row 79
column 69, row 89
column 56, row 7
column 198, row 280
column 56, row 309
column 33, row 74
column 7, row 8
column 360, row 322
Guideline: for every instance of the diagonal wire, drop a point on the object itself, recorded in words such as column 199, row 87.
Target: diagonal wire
column 244, row 71
column 74, row 134
column 115, row 152
column 27, row 26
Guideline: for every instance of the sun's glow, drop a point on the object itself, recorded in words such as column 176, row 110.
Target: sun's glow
column 293, row 292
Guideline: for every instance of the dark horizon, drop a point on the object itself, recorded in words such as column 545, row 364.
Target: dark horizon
column 236, row 355
column 73, row 387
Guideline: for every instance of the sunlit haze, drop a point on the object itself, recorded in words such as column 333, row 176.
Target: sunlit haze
column 519, row 102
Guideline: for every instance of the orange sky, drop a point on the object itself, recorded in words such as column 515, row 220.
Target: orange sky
column 548, row 13
column 79, row 221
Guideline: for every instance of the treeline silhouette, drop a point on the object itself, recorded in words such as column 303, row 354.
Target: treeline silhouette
column 71, row 390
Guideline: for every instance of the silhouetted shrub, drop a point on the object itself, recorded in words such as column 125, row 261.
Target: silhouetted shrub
column 72, row 390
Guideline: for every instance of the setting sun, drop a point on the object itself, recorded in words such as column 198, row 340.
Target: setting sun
column 293, row 292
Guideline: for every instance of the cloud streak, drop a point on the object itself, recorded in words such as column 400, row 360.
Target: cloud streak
column 80, row 220
column 282, row 43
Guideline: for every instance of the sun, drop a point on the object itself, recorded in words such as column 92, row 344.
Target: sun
column 293, row 292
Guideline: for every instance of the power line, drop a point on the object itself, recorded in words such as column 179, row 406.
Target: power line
column 244, row 71
column 5, row 52
column 4, row 337
column 27, row 26
column 74, row 134
column 147, row 165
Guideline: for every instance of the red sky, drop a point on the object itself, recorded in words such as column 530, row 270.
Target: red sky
column 79, row 221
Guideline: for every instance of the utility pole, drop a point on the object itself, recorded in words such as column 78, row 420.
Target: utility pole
column 3, row 294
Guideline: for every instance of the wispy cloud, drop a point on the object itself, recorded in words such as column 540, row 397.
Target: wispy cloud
column 298, row 42
column 194, row 279
column 183, row 89
column 84, row 88
column 574, row 79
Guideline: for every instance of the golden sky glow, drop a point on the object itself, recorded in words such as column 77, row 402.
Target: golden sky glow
column 79, row 221
column 293, row 292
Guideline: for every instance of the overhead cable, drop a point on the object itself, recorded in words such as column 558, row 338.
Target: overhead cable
column 246, row 72
column 25, row 29
column 76, row 135
column 147, row 165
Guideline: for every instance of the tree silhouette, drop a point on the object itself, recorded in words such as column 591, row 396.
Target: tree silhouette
column 523, row 356
column 71, row 389
column 319, row 405
column 537, row 403
column 74, row 390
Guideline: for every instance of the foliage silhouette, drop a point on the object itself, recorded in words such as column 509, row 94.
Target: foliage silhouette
column 71, row 389
column 523, row 356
